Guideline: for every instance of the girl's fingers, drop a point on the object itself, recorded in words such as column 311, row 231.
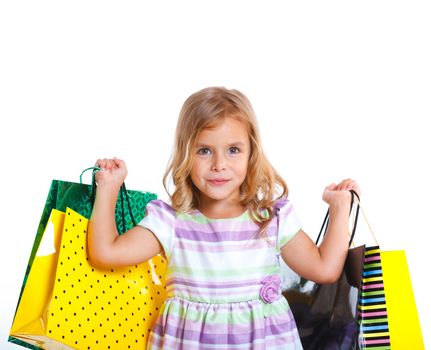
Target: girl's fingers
column 331, row 187
column 357, row 190
column 345, row 184
column 109, row 164
column 119, row 162
column 348, row 184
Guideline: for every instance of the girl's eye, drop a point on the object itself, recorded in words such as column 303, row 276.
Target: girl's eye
column 234, row 150
column 204, row 151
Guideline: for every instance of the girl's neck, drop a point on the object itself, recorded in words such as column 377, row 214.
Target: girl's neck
column 221, row 210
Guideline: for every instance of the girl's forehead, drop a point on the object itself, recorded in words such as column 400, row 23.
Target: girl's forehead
column 225, row 126
column 226, row 122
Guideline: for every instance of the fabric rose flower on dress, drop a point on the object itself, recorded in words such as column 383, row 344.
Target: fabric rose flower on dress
column 271, row 288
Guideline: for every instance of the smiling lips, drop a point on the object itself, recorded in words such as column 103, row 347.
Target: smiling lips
column 218, row 182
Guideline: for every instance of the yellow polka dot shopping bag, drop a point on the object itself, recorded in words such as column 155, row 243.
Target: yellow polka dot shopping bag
column 65, row 302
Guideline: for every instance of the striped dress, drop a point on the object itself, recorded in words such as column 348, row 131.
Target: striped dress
column 222, row 282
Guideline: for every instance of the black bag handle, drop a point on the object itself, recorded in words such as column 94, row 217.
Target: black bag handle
column 122, row 194
column 324, row 227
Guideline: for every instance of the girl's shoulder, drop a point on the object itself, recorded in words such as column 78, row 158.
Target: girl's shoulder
column 160, row 206
column 279, row 206
column 163, row 209
column 282, row 203
column 283, row 208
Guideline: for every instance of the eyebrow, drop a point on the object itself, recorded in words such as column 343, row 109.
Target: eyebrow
column 233, row 144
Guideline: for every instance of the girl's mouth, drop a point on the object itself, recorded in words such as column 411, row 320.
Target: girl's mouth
column 218, row 182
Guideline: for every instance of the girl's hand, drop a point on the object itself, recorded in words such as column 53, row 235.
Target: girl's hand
column 340, row 193
column 112, row 172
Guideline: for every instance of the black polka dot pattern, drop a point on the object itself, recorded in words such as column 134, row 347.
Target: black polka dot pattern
column 93, row 308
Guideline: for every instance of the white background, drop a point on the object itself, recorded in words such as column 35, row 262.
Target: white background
column 341, row 89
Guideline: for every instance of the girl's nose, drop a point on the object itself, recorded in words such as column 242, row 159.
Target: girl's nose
column 219, row 163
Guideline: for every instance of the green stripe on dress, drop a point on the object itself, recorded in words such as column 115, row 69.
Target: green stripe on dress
column 195, row 272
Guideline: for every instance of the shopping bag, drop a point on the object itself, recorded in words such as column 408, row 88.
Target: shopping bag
column 80, row 197
column 373, row 328
column 97, row 308
column 29, row 317
column 85, row 306
column 325, row 315
column 404, row 326
column 387, row 314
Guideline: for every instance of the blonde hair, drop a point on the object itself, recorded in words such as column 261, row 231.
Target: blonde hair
column 262, row 187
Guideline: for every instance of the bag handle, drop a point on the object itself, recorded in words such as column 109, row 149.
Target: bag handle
column 93, row 185
column 369, row 226
column 324, row 227
column 122, row 194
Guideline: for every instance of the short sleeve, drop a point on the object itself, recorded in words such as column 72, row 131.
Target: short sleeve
column 288, row 222
column 160, row 220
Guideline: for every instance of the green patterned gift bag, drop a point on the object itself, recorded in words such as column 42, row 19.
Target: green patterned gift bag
column 79, row 197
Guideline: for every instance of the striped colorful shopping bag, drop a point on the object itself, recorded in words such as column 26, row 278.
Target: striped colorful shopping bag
column 387, row 313
column 372, row 312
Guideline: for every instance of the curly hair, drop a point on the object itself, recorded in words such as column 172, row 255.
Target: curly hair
column 262, row 187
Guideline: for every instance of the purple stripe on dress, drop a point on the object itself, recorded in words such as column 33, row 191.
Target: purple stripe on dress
column 185, row 282
column 222, row 334
column 223, row 225
column 285, row 341
column 212, row 295
column 198, row 246
column 207, row 332
column 209, row 327
column 219, row 236
column 216, row 334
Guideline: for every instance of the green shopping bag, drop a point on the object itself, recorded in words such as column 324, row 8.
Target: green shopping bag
column 130, row 209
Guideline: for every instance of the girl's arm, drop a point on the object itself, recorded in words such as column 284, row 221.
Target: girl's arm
column 324, row 264
column 105, row 247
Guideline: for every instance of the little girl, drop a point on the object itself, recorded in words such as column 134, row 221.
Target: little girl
column 228, row 223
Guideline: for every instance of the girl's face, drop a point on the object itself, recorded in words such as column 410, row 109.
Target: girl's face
column 221, row 161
